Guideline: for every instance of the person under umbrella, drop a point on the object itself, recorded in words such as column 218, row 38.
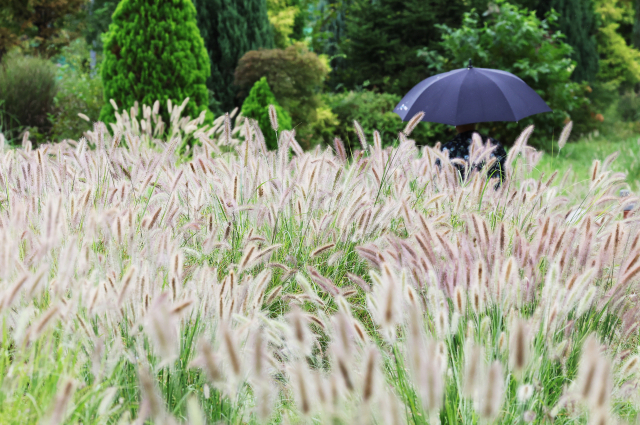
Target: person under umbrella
column 466, row 96
column 460, row 146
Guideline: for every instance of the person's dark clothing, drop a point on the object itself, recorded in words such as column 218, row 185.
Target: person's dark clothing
column 458, row 147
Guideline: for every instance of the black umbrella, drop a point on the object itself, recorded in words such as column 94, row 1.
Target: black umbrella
column 471, row 95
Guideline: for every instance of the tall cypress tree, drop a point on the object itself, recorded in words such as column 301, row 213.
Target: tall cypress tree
column 231, row 28
column 154, row 51
column 578, row 23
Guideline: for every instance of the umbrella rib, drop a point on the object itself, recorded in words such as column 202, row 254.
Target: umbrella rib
column 458, row 103
column 415, row 109
column 515, row 92
column 486, row 75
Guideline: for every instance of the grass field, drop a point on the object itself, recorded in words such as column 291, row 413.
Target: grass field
column 246, row 286
column 580, row 156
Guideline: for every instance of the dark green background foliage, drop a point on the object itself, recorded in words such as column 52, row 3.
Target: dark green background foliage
column 327, row 49
column 295, row 76
column 384, row 37
column 636, row 27
column 27, row 92
column 577, row 22
column 374, row 111
column 256, row 106
column 518, row 42
column 40, row 27
column 231, row 28
column 154, row 51
column 98, row 20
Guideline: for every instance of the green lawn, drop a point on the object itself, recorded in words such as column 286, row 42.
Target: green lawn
column 580, row 156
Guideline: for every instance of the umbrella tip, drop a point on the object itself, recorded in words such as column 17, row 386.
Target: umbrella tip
column 470, row 66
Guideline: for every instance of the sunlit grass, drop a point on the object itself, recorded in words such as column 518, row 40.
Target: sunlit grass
column 237, row 285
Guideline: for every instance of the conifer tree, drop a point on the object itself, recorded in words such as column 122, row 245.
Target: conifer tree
column 154, row 51
column 230, row 28
column 578, row 23
column 383, row 39
column 256, row 106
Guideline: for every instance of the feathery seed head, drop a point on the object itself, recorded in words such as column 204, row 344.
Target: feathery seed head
column 273, row 117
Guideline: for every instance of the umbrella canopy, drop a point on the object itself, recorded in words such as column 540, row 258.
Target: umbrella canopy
column 471, row 95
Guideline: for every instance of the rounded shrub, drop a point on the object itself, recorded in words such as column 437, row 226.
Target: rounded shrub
column 154, row 51
column 296, row 76
column 256, row 106
column 27, row 92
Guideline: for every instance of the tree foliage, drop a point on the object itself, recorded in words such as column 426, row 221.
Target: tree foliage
column 231, row 28
column 383, row 39
column 43, row 26
column 288, row 20
column 98, row 20
column 619, row 61
column 256, row 106
column 295, row 75
column 576, row 19
column 516, row 41
column 154, row 51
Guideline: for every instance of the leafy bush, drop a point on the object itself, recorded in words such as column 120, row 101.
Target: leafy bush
column 256, row 106
column 515, row 40
column 80, row 91
column 295, row 75
column 619, row 61
column 288, row 21
column 374, row 111
column 98, row 20
column 154, row 51
column 27, row 91
column 627, row 112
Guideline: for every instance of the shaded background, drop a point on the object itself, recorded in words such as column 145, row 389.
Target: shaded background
column 330, row 62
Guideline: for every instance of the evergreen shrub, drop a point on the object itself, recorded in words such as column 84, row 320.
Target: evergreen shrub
column 154, row 51
column 256, row 106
